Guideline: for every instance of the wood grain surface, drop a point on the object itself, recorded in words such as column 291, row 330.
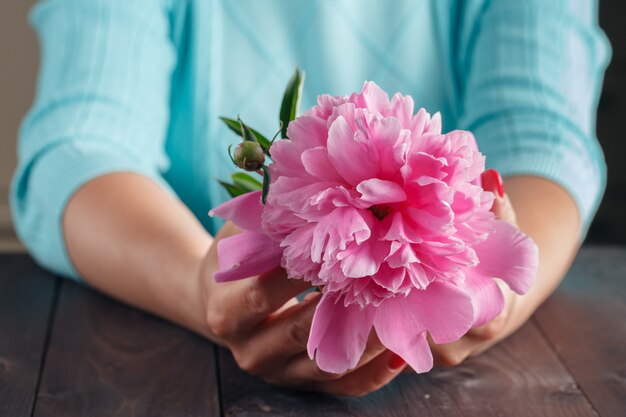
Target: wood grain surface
column 520, row 377
column 105, row 359
column 26, row 302
column 67, row 351
column 585, row 322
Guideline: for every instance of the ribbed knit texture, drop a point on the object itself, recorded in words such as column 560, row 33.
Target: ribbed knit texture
column 138, row 86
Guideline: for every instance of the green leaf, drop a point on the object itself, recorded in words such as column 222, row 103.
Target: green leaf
column 291, row 100
column 246, row 133
column 266, row 184
column 236, row 127
column 230, row 154
column 246, row 182
column 232, row 189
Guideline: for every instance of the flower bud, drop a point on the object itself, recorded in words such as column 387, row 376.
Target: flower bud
column 249, row 156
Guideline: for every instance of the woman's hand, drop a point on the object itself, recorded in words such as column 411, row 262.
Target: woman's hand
column 266, row 329
column 268, row 333
column 515, row 312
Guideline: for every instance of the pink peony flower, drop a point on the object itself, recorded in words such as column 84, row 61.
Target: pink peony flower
column 383, row 212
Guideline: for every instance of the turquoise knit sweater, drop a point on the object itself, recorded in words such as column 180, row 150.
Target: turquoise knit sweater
column 138, row 86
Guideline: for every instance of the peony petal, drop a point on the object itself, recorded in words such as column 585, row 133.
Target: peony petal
column 401, row 335
column 245, row 255
column 286, row 155
column 466, row 163
column 418, row 276
column 336, row 230
column 348, row 112
column 510, row 255
column 328, row 200
column 402, row 109
column 330, row 275
column 363, row 260
column 295, row 193
column 435, row 219
column 402, row 146
column 338, row 334
column 486, row 295
column 316, row 163
column 395, row 227
column 465, row 137
column 374, row 98
column 244, row 210
column 349, row 157
column 278, row 223
column 385, row 134
column 422, row 168
column 306, row 132
column 443, row 309
column 376, row 191
column 326, row 104
column 436, row 145
column 389, row 278
column 297, row 251
column 434, row 125
column 400, row 255
column 418, row 123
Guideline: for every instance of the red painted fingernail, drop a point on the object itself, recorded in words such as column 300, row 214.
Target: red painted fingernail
column 492, row 181
column 396, row 362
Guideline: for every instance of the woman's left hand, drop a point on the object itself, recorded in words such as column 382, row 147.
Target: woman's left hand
column 479, row 339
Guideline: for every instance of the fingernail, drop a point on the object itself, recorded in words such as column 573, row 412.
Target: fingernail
column 492, row 181
column 396, row 362
column 311, row 296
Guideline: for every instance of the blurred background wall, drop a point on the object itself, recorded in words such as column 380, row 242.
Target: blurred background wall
column 18, row 66
column 610, row 222
column 18, row 70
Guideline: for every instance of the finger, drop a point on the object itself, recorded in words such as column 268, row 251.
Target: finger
column 495, row 328
column 270, row 346
column 301, row 369
column 452, row 354
column 310, row 295
column 293, row 301
column 489, row 330
column 492, row 181
column 371, row 377
column 239, row 306
column 502, row 207
column 290, row 303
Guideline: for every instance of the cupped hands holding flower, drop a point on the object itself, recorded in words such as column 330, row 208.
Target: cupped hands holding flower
column 266, row 328
column 391, row 219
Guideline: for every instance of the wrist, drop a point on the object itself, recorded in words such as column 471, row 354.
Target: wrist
column 196, row 294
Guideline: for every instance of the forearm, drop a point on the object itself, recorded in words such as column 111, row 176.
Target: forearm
column 548, row 214
column 129, row 238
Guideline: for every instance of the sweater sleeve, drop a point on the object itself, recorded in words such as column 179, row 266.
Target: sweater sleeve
column 530, row 74
column 101, row 106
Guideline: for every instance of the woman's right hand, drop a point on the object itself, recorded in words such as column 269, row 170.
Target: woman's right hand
column 266, row 329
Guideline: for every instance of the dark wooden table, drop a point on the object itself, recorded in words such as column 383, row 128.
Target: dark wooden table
column 67, row 351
